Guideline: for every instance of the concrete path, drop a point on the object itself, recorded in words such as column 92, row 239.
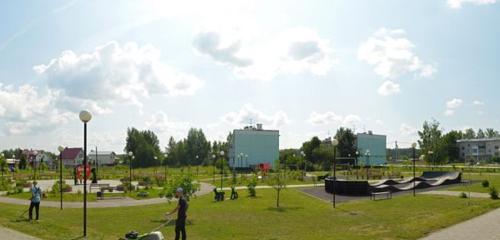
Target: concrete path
column 268, row 187
column 46, row 185
column 484, row 227
column 205, row 188
column 6, row 233
column 457, row 193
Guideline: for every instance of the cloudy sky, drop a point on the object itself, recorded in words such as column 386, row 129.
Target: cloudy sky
column 303, row 67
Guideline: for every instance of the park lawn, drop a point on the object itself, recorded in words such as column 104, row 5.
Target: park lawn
column 67, row 197
column 476, row 186
column 300, row 217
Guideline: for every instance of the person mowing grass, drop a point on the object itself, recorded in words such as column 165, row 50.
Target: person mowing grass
column 181, row 209
column 36, row 197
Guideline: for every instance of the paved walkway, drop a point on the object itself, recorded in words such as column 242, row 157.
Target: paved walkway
column 205, row 188
column 268, row 187
column 484, row 227
column 6, row 233
column 457, row 193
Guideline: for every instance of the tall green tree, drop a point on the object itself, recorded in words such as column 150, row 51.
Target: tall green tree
column 449, row 143
column 491, row 133
column 469, row 134
column 145, row 146
column 309, row 147
column 197, row 147
column 430, row 142
column 480, row 133
column 347, row 142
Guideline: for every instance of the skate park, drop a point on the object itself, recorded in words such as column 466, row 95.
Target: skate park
column 364, row 188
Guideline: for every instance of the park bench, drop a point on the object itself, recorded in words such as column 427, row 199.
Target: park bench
column 101, row 186
column 387, row 195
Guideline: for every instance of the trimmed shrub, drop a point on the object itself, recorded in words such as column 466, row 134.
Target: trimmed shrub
column 65, row 187
column 143, row 194
column 462, row 195
column 493, row 193
column 186, row 182
column 251, row 187
column 485, row 183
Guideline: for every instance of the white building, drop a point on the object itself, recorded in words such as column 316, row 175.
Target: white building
column 102, row 157
column 478, row 149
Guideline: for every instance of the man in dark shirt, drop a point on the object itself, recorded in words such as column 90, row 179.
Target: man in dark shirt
column 181, row 209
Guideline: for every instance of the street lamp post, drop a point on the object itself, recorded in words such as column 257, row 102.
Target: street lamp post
column 166, row 156
column 213, row 173
column 131, row 156
column 367, row 154
column 246, row 160
column 33, row 163
column 197, row 165
column 96, row 163
column 335, row 142
column 222, row 169
column 3, row 170
column 61, row 149
column 303, row 155
column 413, row 146
column 85, row 117
column 430, row 153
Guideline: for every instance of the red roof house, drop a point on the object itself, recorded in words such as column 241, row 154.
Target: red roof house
column 72, row 157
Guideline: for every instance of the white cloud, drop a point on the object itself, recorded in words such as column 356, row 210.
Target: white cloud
column 456, row 4
column 114, row 74
column 406, row 129
column 388, row 88
column 292, row 51
column 449, row 112
column 454, row 103
column 392, row 55
column 477, row 103
column 209, row 43
column 330, row 117
column 26, row 109
column 250, row 113
column 159, row 123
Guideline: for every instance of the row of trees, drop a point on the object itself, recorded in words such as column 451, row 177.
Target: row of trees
column 487, row 133
column 320, row 153
column 193, row 150
column 438, row 147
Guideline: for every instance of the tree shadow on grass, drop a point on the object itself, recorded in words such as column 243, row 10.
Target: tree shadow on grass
column 283, row 209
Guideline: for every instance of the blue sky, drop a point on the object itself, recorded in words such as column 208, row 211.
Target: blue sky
column 303, row 67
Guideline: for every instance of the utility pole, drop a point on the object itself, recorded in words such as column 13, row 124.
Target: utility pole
column 396, row 148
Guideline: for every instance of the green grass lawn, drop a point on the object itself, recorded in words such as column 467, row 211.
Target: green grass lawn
column 67, row 197
column 301, row 217
column 494, row 180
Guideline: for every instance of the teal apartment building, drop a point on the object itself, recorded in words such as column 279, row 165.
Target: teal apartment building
column 372, row 149
column 252, row 146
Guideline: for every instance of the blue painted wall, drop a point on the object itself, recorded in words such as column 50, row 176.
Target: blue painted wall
column 376, row 144
column 261, row 146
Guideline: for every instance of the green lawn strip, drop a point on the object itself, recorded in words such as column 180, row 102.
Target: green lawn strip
column 494, row 181
column 301, row 217
column 67, row 197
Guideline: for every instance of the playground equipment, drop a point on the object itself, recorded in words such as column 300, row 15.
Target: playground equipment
column 219, row 196
column 363, row 188
column 234, row 194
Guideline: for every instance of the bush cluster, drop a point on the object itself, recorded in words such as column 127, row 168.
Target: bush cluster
column 485, row 183
column 251, row 187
